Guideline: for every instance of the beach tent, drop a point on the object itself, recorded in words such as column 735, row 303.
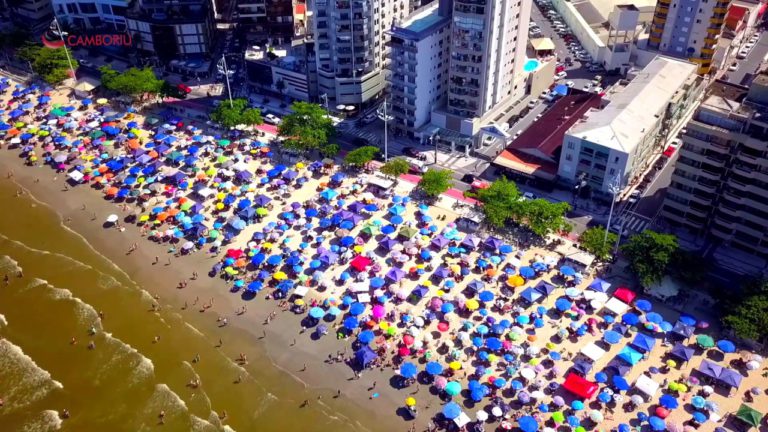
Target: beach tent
column 730, row 377
column 545, row 288
column 599, row 285
column 682, row 352
column 683, row 330
column 643, row 342
column 646, row 385
column 630, row 355
column 579, row 386
column 439, row 242
column 531, row 295
column 593, row 352
column 710, row 369
column 581, row 367
column 618, row 367
column 365, row 355
column 616, row 306
column 360, row 263
column 625, row 294
column 471, row 241
column 749, row 415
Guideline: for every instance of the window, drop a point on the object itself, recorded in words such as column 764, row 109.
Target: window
column 681, row 39
column 568, row 157
column 687, row 19
column 616, row 159
column 684, row 29
column 571, row 146
column 679, row 49
column 612, row 171
column 698, row 21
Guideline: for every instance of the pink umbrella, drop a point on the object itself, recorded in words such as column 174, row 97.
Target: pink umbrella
column 403, row 351
column 408, row 340
column 435, row 303
column 443, row 326
column 402, row 294
column 379, row 311
column 441, row 382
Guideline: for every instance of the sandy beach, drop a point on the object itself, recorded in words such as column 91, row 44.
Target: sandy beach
column 545, row 339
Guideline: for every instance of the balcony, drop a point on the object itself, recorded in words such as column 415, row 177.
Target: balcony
column 718, row 21
column 720, row 10
column 714, row 30
column 659, row 19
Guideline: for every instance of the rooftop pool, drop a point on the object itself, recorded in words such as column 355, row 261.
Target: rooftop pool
column 531, row 65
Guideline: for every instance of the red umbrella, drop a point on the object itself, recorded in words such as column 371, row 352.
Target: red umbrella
column 662, row 412
column 443, row 326
column 408, row 339
column 403, row 351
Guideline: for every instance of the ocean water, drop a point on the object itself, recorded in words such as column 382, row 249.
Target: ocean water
column 124, row 382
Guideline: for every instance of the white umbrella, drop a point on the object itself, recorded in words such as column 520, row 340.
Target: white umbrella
column 112, row 218
column 418, row 321
column 496, row 411
column 482, row 415
column 596, row 416
column 753, row 365
column 538, row 395
column 527, row 373
column 708, row 389
column 637, row 399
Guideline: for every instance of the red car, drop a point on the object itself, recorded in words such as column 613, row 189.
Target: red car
column 184, row 88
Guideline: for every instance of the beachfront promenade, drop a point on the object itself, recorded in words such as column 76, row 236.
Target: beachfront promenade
column 470, row 331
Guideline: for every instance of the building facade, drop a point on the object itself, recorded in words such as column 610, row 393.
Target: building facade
column 688, row 29
column 351, row 47
column 103, row 15
column 613, row 145
column 271, row 20
column 32, row 15
column 178, row 30
column 419, row 58
column 488, row 41
column 719, row 188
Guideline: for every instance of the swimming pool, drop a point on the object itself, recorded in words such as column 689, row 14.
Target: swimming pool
column 531, row 65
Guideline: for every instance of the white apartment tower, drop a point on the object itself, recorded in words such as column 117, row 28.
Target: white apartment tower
column 488, row 40
column 351, row 46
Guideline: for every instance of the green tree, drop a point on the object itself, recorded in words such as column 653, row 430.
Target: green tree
column 436, row 181
column 236, row 114
column 133, row 82
column 594, row 241
column 306, row 128
column 747, row 316
column 396, row 167
column 330, row 150
column 50, row 63
column 544, row 217
column 501, row 201
column 361, row 156
column 649, row 254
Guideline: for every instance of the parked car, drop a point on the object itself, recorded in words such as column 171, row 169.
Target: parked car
column 742, row 54
column 360, row 142
column 412, row 152
column 570, row 84
column 532, row 103
column 368, row 119
column 733, row 66
column 272, row 119
column 561, row 75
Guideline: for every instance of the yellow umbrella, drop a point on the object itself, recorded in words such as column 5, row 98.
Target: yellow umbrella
column 472, row 304
column 299, row 302
column 410, row 401
column 143, row 218
column 358, row 249
column 219, row 206
column 671, row 363
column 280, row 276
column 427, row 283
column 516, row 281
column 220, row 195
column 440, row 293
column 300, row 165
column 492, row 357
column 267, row 245
column 101, row 101
column 384, row 325
column 454, row 365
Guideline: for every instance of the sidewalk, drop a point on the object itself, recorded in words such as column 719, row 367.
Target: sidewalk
column 451, row 193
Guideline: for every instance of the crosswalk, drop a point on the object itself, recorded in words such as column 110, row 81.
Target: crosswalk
column 631, row 224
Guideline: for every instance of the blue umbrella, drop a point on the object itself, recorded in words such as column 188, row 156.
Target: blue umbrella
column 527, row 272
column 577, row 405
column 408, row 370
column 274, row 260
column 434, row 368
column 477, row 394
column 351, row 323
column 316, row 312
column 356, row 309
column 604, row 397
column 643, row 305
column 657, row 423
column 563, row 304
column 574, row 421
column 623, row 427
column 554, row 355
column 486, row 296
column 612, row 337
column 366, row 336
column 493, row 343
column 668, row 401
column 620, row 383
column 654, row 317
column 601, row 377
column 528, row 424
column 451, row 410
column 567, row 271
column 255, row 286
column 523, row 319
column 516, row 385
column 726, row 346
column 699, row 417
column 630, row 319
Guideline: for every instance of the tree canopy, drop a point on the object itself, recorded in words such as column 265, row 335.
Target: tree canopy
column 436, row 181
column 544, row 217
column 132, row 82
column 361, row 156
column 501, row 202
column 395, row 167
column 747, row 316
column 306, row 128
column 330, row 150
column 236, row 114
column 649, row 254
column 594, row 241
column 50, row 63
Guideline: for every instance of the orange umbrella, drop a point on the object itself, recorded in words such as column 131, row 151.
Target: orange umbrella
column 112, row 191
column 153, row 154
column 102, row 169
column 240, row 263
column 97, row 179
column 491, row 272
column 173, row 211
column 13, row 132
column 182, row 200
column 133, row 144
column 109, row 175
column 162, row 216
column 201, row 176
column 265, row 149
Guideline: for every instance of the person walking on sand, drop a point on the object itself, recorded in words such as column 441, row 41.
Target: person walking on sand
column 161, row 417
column 157, row 258
column 6, row 280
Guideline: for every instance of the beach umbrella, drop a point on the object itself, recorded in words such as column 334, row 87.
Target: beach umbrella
column 654, row 318
column 316, row 312
column 567, row 271
column 558, row 417
column 481, row 416
column 351, row 323
column 434, row 368
column 528, row 424
column 408, row 370
column 577, row 405
column 573, row 421
column 623, row 427
column 699, row 417
column 441, row 382
column 356, row 309
column 453, row 388
column 705, row 341
column 410, row 401
column 451, row 410
column 726, row 346
column 668, row 401
column 656, row 423
column 601, row 377
column 563, row 304
column 643, row 305
column 604, row 397
column 698, row 402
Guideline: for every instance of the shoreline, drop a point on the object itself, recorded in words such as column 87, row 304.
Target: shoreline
column 323, row 380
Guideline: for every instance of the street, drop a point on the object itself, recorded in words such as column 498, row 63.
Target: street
column 750, row 64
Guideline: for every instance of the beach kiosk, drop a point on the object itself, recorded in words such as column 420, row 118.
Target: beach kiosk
column 86, row 87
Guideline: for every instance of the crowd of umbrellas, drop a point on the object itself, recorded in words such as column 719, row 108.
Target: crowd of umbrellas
column 464, row 315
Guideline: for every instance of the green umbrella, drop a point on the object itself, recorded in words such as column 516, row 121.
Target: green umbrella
column 224, row 142
column 213, row 234
column 453, row 388
column 558, row 417
column 153, row 120
column 408, row 232
column 370, row 230
column 58, row 112
column 749, row 415
column 705, row 341
column 187, row 205
column 97, row 134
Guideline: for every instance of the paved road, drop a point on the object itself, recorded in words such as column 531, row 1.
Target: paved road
column 750, row 64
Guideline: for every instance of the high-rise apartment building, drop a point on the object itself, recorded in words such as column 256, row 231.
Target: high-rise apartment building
column 180, row 29
column 32, row 15
column 488, row 39
column 106, row 15
column 351, row 47
column 419, row 58
column 719, row 189
column 688, row 29
column 270, row 20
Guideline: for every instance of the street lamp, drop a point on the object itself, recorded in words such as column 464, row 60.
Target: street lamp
column 222, row 68
column 381, row 112
column 66, row 50
column 614, row 188
column 324, row 98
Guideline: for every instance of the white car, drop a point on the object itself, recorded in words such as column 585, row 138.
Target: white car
column 570, row 84
column 597, row 89
column 748, row 46
column 544, row 94
column 587, row 87
column 742, row 54
column 561, row 75
column 532, row 103
column 733, row 66
column 272, row 119
column 550, row 96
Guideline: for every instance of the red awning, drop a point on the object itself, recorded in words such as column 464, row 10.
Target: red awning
column 579, row 386
column 360, row 263
column 625, row 294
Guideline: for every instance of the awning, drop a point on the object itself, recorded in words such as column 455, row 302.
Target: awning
column 593, row 352
column 380, row 182
column 579, row 386
column 542, row 44
column 749, row 415
column 646, row 385
column 616, row 306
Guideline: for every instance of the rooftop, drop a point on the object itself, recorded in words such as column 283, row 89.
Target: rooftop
column 621, row 125
column 421, row 23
